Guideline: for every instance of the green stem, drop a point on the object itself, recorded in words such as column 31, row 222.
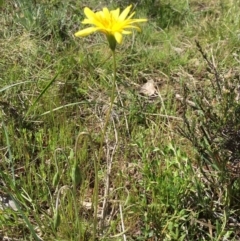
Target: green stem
column 112, row 95
column 101, row 145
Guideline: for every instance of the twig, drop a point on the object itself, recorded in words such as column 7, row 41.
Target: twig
column 122, row 223
column 211, row 66
column 191, row 103
column 109, row 169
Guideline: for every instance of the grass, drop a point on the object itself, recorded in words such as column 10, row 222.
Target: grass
column 170, row 165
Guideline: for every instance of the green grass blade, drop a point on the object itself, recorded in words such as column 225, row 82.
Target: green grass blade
column 10, row 86
column 41, row 94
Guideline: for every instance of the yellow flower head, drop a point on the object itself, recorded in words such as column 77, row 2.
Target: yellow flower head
column 111, row 23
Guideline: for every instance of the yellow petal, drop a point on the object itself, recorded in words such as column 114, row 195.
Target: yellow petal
column 126, row 32
column 130, row 16
column 86, row 31
column 106, row 13
column 125, row 12
column 118, row 37
column 138, row 20
column 132, row 26
column 89, row 13
column 92, row 21
column 115, row 13
column 100, row 17
column 88, row 21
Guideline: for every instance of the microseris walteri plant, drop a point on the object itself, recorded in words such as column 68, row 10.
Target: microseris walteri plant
column 111, row 23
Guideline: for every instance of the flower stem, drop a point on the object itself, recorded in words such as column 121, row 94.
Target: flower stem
column 112, row 94
column 109, row 113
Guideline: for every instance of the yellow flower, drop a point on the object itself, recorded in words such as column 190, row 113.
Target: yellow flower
column 111, row 23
